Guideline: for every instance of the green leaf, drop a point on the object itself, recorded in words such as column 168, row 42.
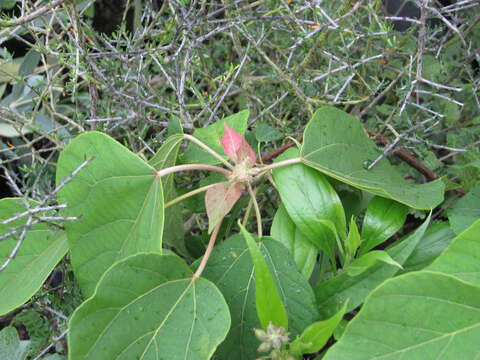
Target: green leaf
column 8, row 4
column 270, row 308
column 353, row 240
column 369, row 259
column 38, row 255
column 230, row 267
column 335, row 291
column 465, row 211
column 436, row 239
column 212, row 135
column 384, row 217
column 311, row 202
column 336, row 144
column 265, row 133
column 420, row 315
column 166, row 156
column 119, row 201
column 316, row 335
column 285, row 231
column 29, row 63
column 461, row 258
column 12, row 348
column 147, row 307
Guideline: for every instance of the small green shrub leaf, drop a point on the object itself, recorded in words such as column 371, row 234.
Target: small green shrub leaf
column 384, row 217
column 336, row 144
column 270, row 308
column 465, row 211
column 333, row 292
column 285, row 231
column 119, row 201
column 353, row 240
column 419, row 315
column 212, row 136
column 230, row 267
column 311, row 202
column 316, row 335
column 366, row 261
column 38, row 255
column 265, row 133
column 147, row 307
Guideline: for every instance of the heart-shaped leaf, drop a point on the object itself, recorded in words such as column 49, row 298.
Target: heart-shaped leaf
column 38, row 255
column 235, row 146
column 219, row 200
column 336, row 144
column 148, row 307
column 119, row 201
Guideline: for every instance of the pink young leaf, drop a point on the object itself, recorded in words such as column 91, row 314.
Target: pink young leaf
column 219, row 200
column 235, row 146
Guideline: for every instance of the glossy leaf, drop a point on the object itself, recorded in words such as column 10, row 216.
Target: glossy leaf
column 119, row 201
column 235, row 146
column 366, row 261
column 384, row 217
column 11, row 347
column 303, row 251
column 230, row 267
column 335, row 291
column 420, row 315
column 353, row 240
column 212, row 135
column 465, row 211
column 336, row 144
column 219, row 200
column 461, row 258
column 270, row 308
column 166, row 156
column 147, row 307
column 38, row 255
column 316, row 335
column 311, row 202
column 436, row 239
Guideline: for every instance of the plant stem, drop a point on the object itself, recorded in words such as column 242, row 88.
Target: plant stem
column 279, row 164
column 187, row 195
column 185, row 167
column 208, row 252
column 208, row 149
column 258, row 215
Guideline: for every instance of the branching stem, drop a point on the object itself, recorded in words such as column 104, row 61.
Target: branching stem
column 264, row 169
column 187, row 167
column 208, row 149
column 187, row 195
column 208, row 252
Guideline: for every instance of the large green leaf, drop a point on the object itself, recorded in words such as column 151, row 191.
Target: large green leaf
column 465, row 211
column 39, row 253
column 332, row 293
column 212, row 135
column 440, row 311
column 230, row 267
column 336, row 144
column 11, row 347
column 285, row 231
column 166, row 156
column 462, row 257
column 436, row 239
column 270, row 308
column 119, row 201
column 417, row 316
column 311, row 202
column 147, row 307
column 384, row 217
